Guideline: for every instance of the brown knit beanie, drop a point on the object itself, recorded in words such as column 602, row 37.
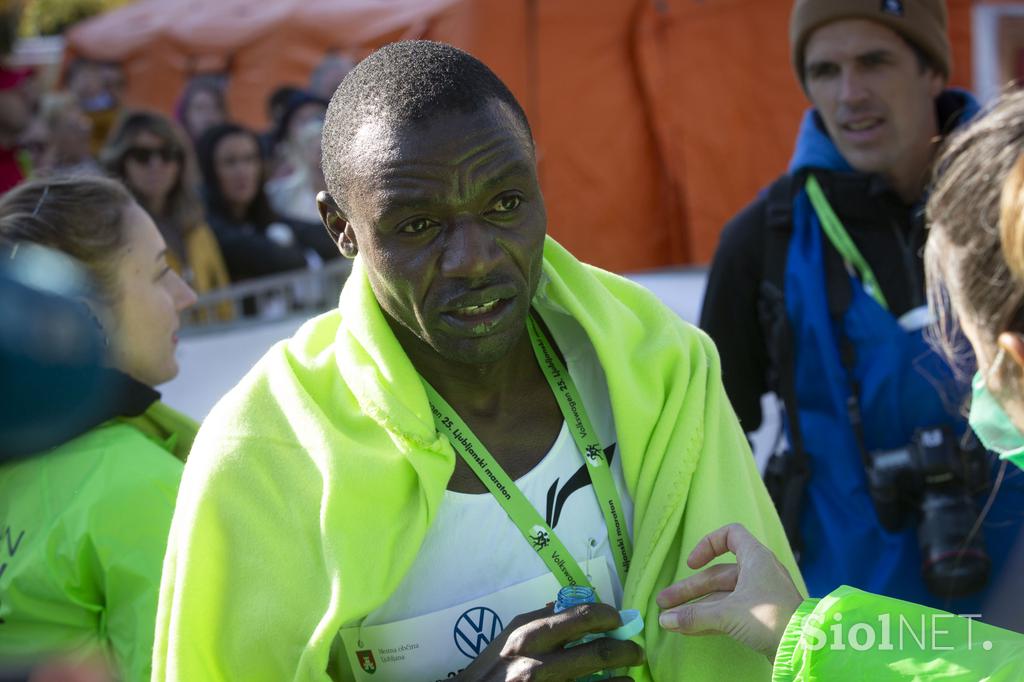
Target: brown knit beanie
column 922, row 22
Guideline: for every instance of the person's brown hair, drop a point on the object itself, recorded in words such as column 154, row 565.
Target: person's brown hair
column 974, row 257
column 183, row 210
column 81, row 216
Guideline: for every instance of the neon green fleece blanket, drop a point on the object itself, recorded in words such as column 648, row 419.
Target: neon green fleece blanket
column 312, row 483
column 854, row 635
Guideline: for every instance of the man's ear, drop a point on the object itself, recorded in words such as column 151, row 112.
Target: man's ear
column 337, row 226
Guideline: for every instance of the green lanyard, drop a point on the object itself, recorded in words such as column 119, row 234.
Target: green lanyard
column 842, row 242
column 527, row 519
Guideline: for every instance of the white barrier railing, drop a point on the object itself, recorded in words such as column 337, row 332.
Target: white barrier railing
column 257, row 301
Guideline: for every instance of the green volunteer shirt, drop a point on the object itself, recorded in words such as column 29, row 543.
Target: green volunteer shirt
column 83, row 530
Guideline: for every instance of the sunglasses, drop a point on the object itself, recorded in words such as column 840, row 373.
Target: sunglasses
column 143, row 155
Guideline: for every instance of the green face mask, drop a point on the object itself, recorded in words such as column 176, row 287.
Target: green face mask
column 992, row 425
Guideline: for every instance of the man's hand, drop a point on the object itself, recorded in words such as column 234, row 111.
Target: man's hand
column 751, row 600
column 532, row 647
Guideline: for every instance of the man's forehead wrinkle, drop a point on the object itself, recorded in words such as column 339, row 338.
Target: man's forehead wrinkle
column 487, row 151
column 424, row 167
column 398, row 174
column 406, row 190
column 478, row 161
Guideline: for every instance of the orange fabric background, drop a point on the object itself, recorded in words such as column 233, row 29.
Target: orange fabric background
column 656, row 120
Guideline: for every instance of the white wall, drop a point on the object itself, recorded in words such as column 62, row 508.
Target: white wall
column 985, row 47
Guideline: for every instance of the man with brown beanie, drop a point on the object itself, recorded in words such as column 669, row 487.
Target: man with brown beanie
column 817, row 293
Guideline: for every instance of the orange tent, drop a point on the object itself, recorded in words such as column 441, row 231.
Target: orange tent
column 656, row 120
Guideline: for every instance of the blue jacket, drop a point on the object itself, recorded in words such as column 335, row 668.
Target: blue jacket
column 904, row 385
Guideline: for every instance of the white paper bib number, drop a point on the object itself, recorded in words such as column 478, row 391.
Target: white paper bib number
column 436, row 646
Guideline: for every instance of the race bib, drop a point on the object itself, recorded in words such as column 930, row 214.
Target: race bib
column 436, row 646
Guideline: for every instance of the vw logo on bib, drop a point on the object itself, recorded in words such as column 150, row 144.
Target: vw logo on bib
column 475, row 629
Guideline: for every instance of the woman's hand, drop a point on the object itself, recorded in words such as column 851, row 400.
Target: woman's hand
column 751, row 600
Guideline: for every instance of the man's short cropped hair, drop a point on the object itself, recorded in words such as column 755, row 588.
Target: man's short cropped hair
column 406, row 82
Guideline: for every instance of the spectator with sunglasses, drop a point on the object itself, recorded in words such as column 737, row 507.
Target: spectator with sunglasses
column 147, row 152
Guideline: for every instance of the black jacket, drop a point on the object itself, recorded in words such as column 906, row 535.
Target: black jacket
column 249, row 252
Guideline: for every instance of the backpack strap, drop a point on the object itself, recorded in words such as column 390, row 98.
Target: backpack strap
column 787, row 473
column 839, row 295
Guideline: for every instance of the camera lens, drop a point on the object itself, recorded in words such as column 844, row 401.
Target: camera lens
column 955, row 564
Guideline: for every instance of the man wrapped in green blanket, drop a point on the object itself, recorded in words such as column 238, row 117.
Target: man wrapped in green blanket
column 399, row 491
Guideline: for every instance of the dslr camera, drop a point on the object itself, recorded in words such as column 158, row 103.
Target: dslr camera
column 932, row 482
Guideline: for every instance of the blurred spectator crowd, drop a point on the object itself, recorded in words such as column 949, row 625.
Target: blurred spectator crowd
column 231, row 203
